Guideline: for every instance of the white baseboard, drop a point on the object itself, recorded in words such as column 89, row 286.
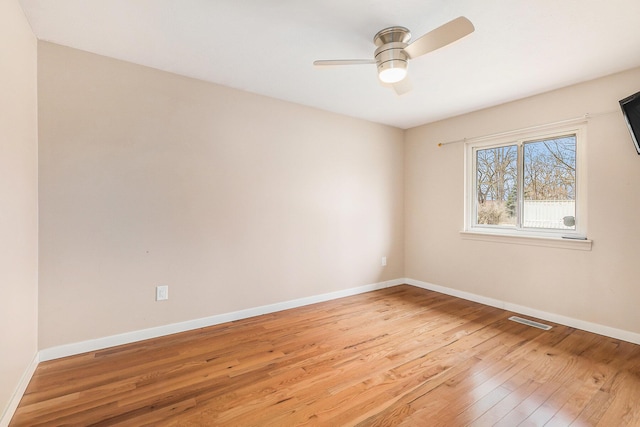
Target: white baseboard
column 129, row 337
column 5, row 419
column 596, row 328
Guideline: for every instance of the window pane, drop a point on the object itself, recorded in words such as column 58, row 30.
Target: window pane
column 496, row 185
column 549, row 182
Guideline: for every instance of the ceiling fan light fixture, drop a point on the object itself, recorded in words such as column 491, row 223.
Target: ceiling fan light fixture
column 395, row 48
column 392, row 71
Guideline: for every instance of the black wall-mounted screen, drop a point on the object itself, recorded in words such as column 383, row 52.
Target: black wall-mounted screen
column 631, row 110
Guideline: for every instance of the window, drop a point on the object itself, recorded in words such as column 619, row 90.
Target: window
column 527, row 185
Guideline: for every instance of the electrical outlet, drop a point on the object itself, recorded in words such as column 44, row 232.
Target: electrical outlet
column 383, row 262
column 162, row 292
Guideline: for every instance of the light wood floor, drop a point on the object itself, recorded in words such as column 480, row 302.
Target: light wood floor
column 399, row 356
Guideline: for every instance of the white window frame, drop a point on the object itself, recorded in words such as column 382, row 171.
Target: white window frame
column 572, row 239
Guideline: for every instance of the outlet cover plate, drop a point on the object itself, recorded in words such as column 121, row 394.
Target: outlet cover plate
column 162, row 292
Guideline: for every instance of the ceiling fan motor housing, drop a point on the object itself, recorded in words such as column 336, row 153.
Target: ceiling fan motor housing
column 390, row 53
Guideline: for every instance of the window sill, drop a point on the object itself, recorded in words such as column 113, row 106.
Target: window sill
column 551, row 242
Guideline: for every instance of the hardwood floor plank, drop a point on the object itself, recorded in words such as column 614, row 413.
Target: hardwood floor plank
column 398, row 356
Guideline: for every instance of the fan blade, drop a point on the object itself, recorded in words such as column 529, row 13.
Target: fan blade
column 403, row 86
column 440, row 37
column 333, row 62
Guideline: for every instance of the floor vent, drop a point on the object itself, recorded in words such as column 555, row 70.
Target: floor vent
column 530, row 323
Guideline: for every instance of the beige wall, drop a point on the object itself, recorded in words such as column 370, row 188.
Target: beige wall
column 600, row 286
column 232, row 199
column 236, row 201
column 18, row 199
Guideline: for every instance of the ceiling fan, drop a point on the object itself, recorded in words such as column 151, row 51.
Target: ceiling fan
column 394, row 50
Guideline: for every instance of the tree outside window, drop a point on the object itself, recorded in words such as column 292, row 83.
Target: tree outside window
column 527, row 184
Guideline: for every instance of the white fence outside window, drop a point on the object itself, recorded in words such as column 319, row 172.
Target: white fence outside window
column 548, row 213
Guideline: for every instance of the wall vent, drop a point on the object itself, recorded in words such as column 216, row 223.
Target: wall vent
column 530, row 323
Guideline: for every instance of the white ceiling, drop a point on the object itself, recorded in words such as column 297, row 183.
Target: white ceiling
column 519, row 48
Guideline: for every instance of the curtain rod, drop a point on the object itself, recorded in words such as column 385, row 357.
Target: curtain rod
column 575, row 120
